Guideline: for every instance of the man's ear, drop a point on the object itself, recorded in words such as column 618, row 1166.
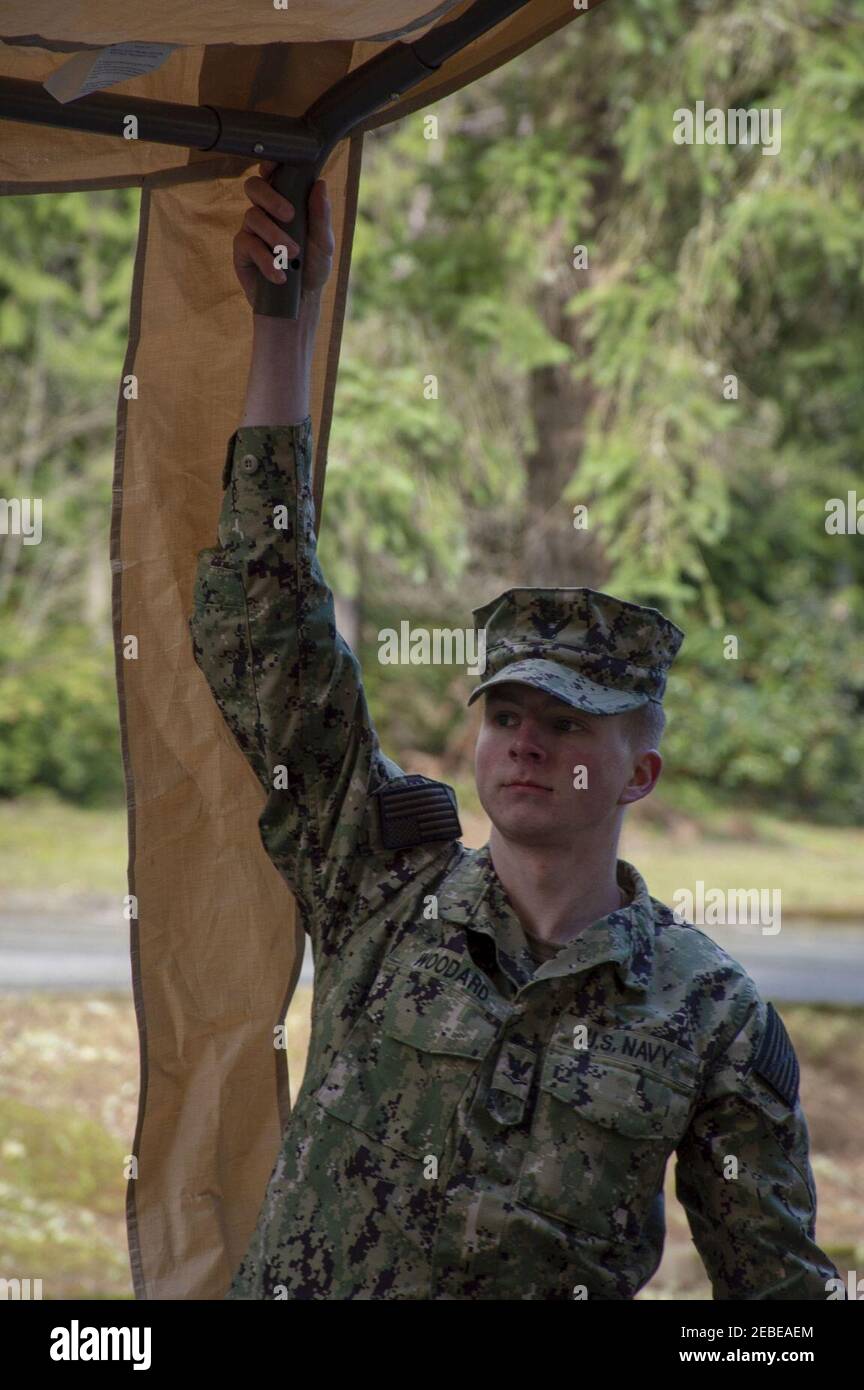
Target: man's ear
column 646, row 774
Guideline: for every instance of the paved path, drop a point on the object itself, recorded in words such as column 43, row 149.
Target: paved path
column 80, row 946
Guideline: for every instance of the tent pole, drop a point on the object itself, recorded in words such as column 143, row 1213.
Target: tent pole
column 299, row 144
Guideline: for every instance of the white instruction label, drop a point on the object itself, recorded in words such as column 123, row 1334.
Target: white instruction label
column 90, row 72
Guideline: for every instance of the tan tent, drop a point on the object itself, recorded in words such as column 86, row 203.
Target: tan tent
column 216, row 946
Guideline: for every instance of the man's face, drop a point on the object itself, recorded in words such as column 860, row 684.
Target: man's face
column 530, row 737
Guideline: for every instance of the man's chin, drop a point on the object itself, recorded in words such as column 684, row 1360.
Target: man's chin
column 529, row 825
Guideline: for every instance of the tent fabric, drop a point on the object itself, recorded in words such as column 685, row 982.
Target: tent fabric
column 216, row 945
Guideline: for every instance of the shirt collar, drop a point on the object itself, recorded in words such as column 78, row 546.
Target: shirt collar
column 473, row 896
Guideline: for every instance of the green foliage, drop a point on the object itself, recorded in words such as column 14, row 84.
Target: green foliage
column 65, row 278
column 58, row 715
column 707, row 265
column 697, row 386
column 780, row 726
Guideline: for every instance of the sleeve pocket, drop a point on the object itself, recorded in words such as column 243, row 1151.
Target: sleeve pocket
column 218, row 584
column 221, row 646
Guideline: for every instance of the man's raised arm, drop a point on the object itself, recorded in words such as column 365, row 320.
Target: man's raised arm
column 263, row 624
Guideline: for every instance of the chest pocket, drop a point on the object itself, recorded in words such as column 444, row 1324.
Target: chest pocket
column 407, row 1062
column 600, row 1139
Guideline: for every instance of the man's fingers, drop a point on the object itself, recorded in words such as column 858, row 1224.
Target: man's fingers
column 250, row 250
column 259, row 191
column 269, row 231
column 263, row 230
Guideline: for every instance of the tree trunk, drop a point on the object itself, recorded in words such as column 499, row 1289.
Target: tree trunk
column 555, row 554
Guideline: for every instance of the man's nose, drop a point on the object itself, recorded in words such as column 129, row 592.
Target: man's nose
column 528, row 741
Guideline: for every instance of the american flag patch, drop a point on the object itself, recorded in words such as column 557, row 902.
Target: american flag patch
column 415, row 810
column 776, row 1062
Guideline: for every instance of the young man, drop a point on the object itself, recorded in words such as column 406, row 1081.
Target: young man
column 507, row 1044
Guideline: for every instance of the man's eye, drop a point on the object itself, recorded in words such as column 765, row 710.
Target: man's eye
column 504, row 714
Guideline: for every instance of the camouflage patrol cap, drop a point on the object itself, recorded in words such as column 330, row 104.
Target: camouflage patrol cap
column 595, row 652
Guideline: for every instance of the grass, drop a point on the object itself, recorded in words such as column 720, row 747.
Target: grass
column 67, row 1114
column 49, row 846
column 817, row 868
column 68, row 1093
column 68, row 1100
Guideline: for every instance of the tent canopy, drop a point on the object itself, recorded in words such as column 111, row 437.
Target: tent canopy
column 216, row 944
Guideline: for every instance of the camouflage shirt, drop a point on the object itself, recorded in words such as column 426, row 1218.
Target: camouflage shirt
column 473, row 1124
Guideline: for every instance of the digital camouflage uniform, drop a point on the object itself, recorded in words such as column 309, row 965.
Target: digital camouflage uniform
column 449, row 1140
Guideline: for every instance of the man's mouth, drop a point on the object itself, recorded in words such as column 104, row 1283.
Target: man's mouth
column 527, row 786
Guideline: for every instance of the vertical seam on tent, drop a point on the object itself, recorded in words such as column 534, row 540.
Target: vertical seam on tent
column 132, row 1232
column 336, row 327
